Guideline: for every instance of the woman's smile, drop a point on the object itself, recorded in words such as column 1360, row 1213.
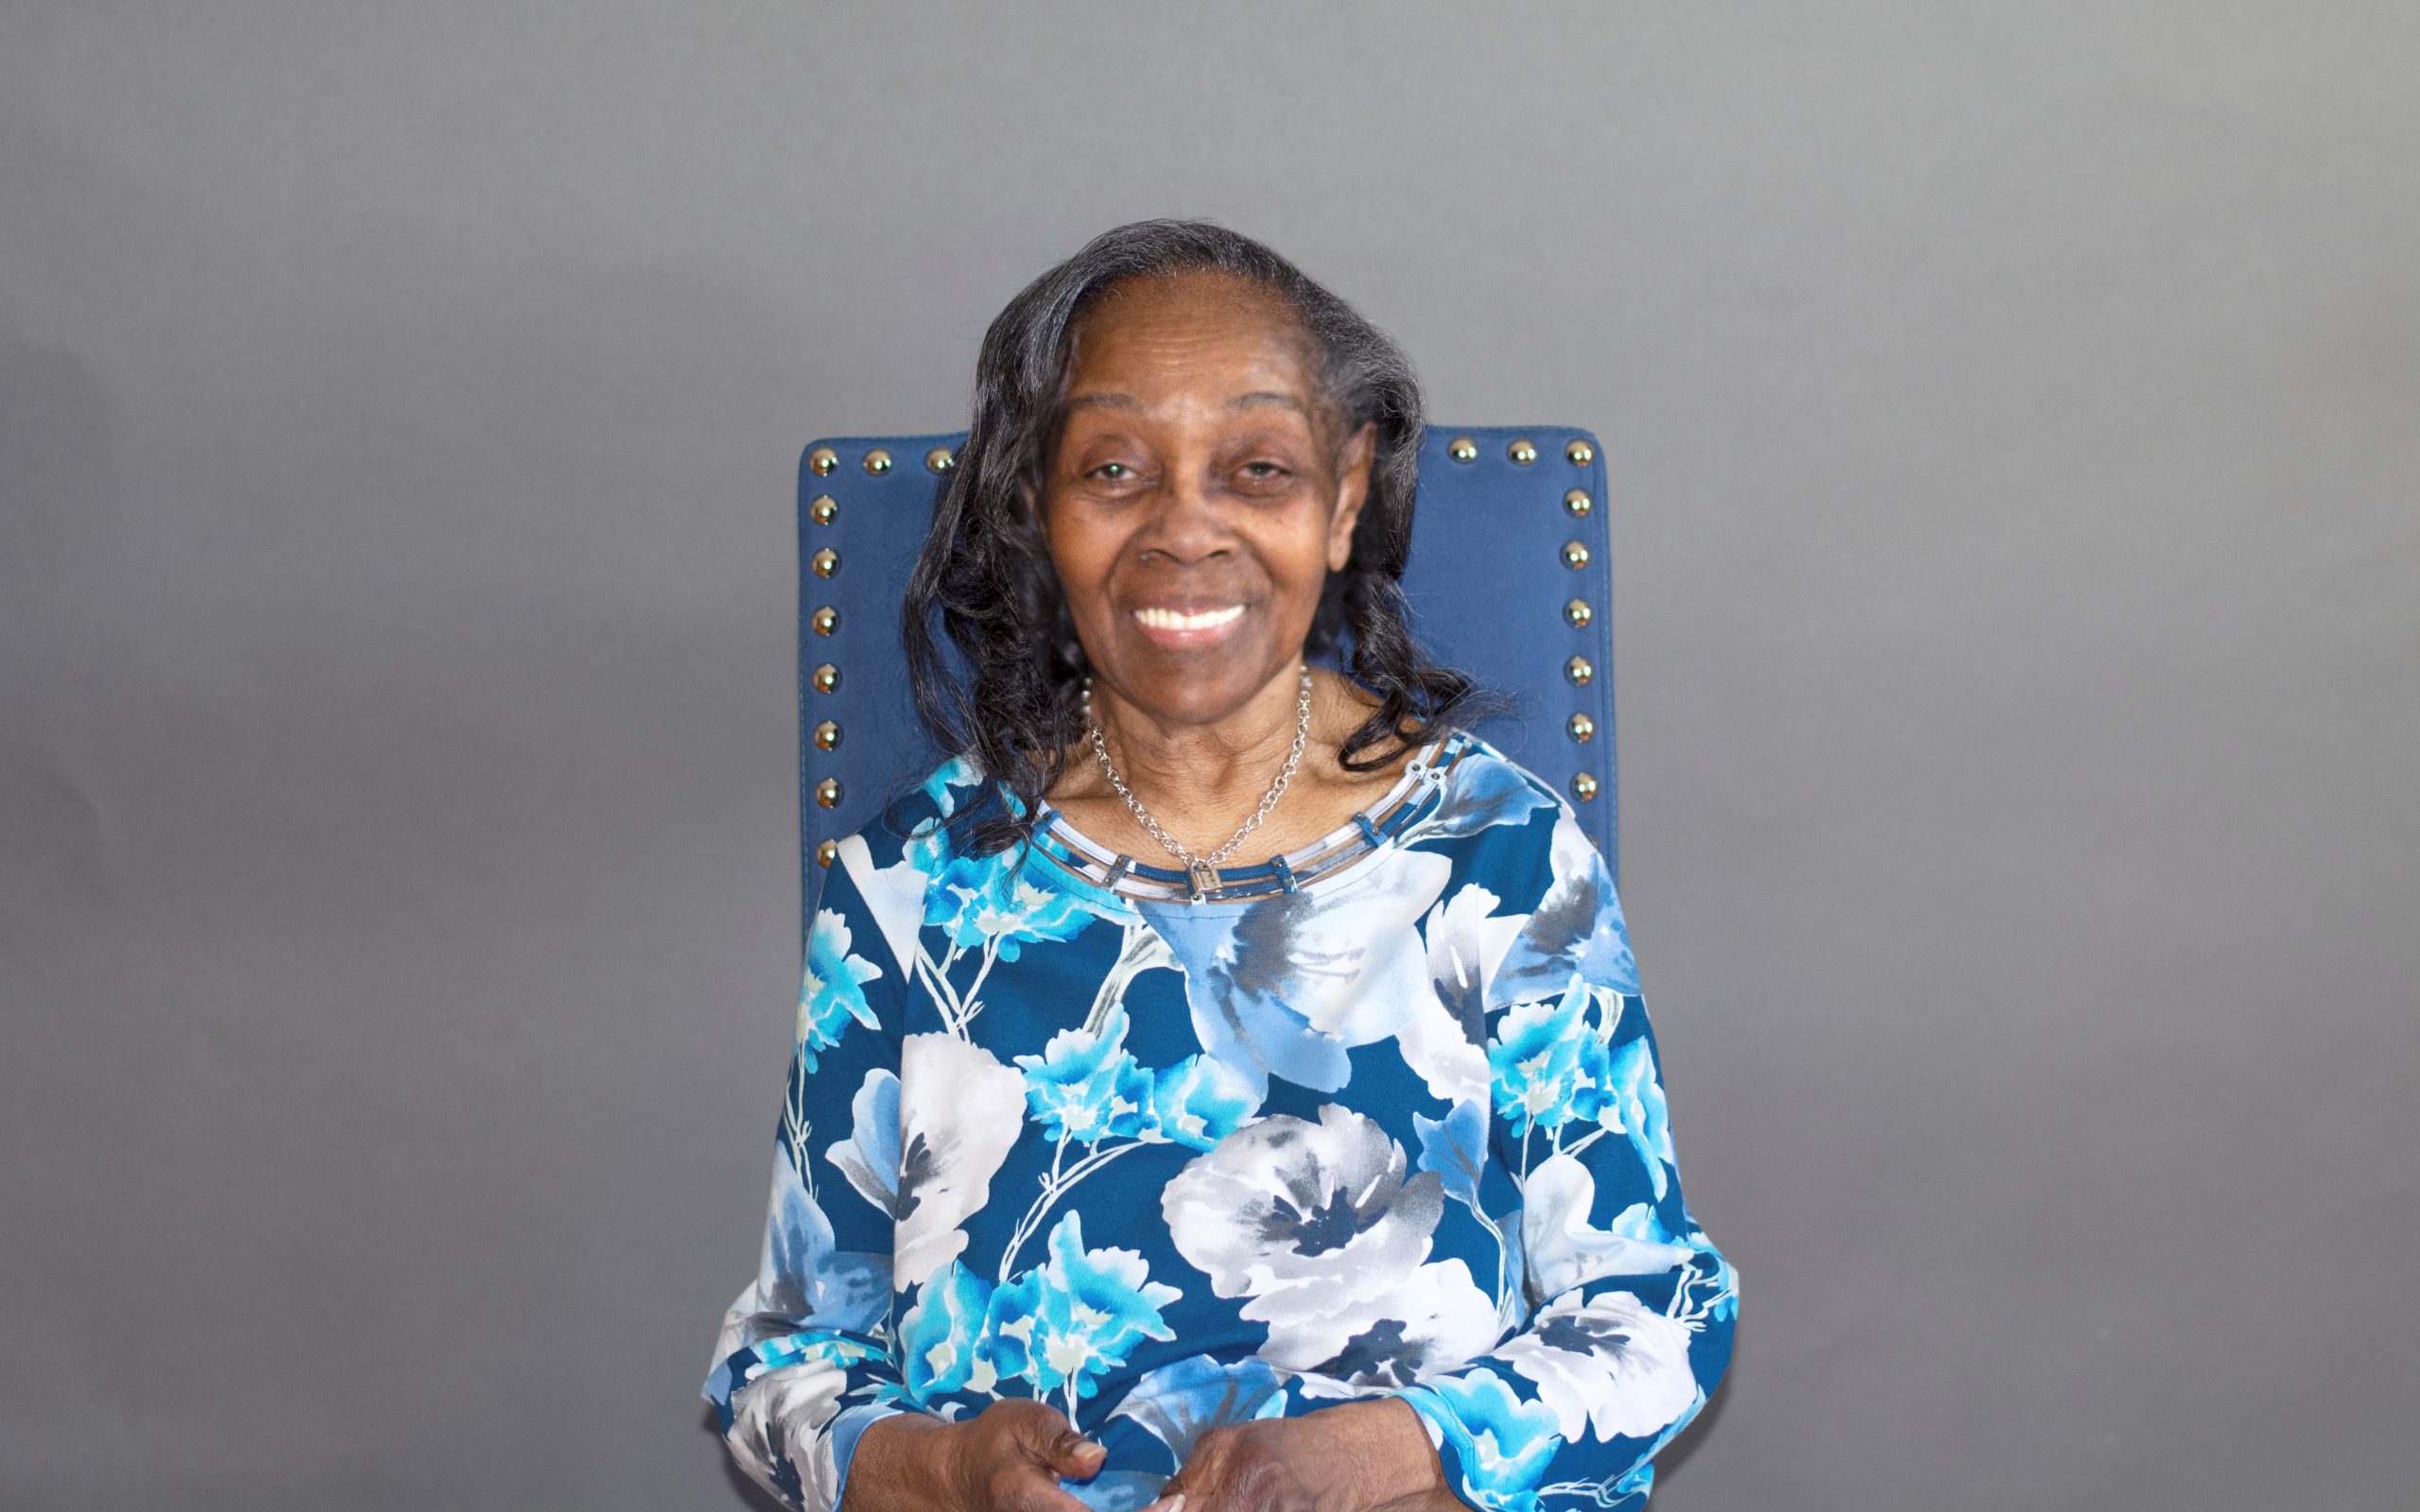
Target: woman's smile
column 1184, row 628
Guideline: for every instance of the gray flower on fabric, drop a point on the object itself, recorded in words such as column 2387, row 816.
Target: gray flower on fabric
column 1306, row 1220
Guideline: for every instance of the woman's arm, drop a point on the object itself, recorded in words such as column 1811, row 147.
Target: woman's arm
column 1628, row 1307
column 803, row 1366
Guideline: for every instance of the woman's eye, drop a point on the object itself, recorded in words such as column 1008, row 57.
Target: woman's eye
column 1264, row 469
column 1114, row 471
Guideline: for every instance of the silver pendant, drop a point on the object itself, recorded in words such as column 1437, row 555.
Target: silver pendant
column 1205, row 877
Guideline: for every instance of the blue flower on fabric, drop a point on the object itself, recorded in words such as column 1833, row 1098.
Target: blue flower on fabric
column 833, row 990
column 1085, row 1086
column 942, row 1347
column 1505, row 1443
column 1199, row 1101
column 1454, row 1147
column 1180, row 1402
column 983, row 901
column 1544, row 1061
column 1066, row 1323
column 1636, row 1098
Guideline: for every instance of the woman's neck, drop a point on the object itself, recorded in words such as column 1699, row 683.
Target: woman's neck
column 1200, row 782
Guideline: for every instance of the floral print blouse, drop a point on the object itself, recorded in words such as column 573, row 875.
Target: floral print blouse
column 1377, row 1117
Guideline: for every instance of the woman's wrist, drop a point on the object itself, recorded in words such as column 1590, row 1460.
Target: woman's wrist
column 901, row 1464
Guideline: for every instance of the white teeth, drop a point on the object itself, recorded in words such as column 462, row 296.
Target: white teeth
column 1169, row 619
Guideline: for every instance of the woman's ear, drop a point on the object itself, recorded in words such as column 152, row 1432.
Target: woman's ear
column 1351, row 492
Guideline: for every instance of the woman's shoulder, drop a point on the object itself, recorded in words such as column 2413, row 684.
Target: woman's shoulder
column 1480, row 789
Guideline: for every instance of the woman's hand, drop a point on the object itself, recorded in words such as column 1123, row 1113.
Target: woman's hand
column 1356, row 1456
column 1007, row 1458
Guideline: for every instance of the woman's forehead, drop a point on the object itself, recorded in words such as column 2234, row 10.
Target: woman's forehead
column 1186, row 324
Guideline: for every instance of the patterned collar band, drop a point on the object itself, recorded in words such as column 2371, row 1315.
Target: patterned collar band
column 1415, row 794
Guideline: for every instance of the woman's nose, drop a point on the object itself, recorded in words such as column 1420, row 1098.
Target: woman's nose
column 1186, row 525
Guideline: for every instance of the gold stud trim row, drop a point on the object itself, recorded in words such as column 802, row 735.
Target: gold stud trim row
column 825, row 620
column 877, row 461
column 1580, row 669
column 1578, row 502
column 1582, row 728
column 1578, row 613
column 824, row 508
column 825, row 562
column 1575, row 553
column 826, row 678
column 1580, row 453
column 827, row 736
column 827, row 852
column 827, row 792
column 821, row 461
column 1462, row 449
column 1583, row 786
column 940, row 460
column 1523, row 452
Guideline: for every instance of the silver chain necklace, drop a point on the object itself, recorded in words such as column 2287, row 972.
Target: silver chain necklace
column 1202, row 870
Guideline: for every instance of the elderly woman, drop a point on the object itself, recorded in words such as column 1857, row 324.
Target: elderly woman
column 1224, row 1086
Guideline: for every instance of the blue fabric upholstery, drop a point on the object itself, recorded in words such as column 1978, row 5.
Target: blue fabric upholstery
column 1487, row 580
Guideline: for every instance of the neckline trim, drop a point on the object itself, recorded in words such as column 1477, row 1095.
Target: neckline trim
column 1313, row 866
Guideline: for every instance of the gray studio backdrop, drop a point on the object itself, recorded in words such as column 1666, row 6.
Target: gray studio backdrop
column 2011, row 415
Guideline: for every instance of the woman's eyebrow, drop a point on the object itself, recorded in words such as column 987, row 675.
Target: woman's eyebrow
column 1269, row 396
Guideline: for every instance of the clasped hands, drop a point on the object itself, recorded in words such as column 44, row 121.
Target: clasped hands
column 1364, row 1455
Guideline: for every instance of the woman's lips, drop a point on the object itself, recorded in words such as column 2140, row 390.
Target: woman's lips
column 1183, row 628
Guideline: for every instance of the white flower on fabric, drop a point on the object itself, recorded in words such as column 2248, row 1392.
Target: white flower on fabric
column 781, row 1416
column 1304, row 1219
column 1444, row 1039
column 1561, row 1248
column 1434, row 1319
column 893, row 894
column 960, row 1112
column 1612, row 1365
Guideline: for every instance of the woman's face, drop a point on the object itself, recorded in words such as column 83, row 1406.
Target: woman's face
column 1196, row 503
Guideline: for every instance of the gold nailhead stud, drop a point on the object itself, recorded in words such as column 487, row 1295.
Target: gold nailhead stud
column 824, row 508
column 827, row 736
column 827, row 852
column 1575, row 553
column 822, row 460
column 826, row 678
column 1578, row 612
column 1580, row 453
column 1585, row 786
column 877, row 461
column 827, row 792
column 1523, row 450
column 1577, row 502
column 940, row 460
column 1462, row 449
column 1579, row 669
column 826, row 561
column 1582, row 728
column 826, row 620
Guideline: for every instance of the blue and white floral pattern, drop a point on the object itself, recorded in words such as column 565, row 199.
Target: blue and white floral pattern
column 1401, row 1131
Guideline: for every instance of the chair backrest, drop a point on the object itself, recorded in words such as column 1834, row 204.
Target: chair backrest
column 1510, row 579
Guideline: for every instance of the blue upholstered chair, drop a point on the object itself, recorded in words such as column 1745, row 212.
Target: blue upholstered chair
column 1508, row 581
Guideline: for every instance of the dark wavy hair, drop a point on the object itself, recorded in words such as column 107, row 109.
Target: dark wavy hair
column 985, row 576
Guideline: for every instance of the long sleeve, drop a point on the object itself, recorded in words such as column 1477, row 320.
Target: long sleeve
column 803, row 1362
column 1626, row 1307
